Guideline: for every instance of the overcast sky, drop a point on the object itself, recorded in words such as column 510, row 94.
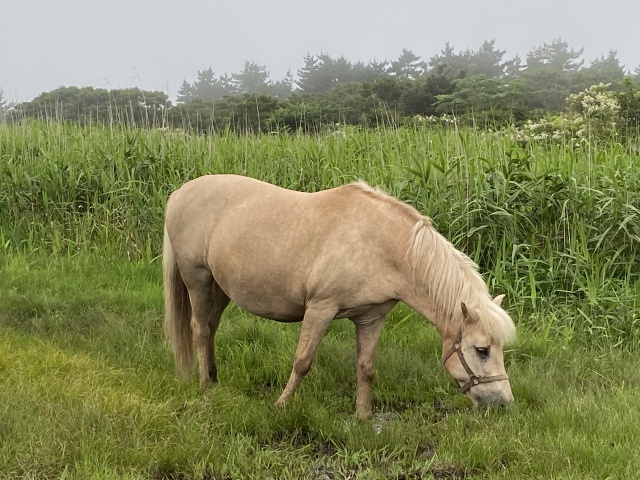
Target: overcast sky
column 156, row 44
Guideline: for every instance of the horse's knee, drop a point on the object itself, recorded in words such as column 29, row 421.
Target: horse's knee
column 366, row 371
column 201, row 331
column 302, row 366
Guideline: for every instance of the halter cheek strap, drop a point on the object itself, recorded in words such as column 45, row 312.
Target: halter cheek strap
column 473, row 378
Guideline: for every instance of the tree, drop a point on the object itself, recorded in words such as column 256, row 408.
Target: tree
column 448, row 62
column 207, row 87
column 546, row 89
column 90, row 105
column 389, row 90
column 352, row 103
column 370, row 72
column 629, row 100
column 308, row 75
column 252, row 79
column 248, row 113
column 513, row 68
column 322, row 72
column 484, row 98
column 140, row 107
column 487, row 60
column 555, row 56
column 186, row 93
column 408, row 65
column 602, row 70
column 283, row 88
column 419, row 96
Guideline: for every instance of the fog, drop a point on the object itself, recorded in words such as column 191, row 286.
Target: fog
column 155, row 45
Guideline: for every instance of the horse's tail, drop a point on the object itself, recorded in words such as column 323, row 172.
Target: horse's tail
column 177, row 310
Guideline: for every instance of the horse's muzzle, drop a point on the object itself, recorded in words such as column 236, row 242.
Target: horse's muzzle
column 495, row 397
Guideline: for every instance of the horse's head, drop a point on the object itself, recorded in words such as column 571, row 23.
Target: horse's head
column 474, row 358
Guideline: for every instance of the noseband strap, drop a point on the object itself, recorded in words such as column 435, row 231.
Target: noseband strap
column 473, row 378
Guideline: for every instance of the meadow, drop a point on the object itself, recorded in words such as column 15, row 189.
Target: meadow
column 87, row 385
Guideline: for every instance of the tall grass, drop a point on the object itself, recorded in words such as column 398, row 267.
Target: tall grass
column 556, row 228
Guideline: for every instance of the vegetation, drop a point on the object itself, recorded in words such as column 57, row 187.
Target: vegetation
column 480, row 87
column 88, row 389
column 3, row 106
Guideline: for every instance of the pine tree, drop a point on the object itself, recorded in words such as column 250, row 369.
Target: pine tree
column 252, row 79
column 408, row 65
column 555, row 56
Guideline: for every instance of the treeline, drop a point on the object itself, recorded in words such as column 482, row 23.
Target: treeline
column 479, row 86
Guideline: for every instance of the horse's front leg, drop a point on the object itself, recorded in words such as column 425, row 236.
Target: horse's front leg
column 367, row 334
column 314, row 325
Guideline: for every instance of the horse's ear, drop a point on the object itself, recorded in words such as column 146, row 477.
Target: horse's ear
column 498, row 299
column 470, row 315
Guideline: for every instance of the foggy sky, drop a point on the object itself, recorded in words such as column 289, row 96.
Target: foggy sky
column 156, row 44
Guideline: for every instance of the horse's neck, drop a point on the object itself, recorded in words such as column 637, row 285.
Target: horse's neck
column 438, row 277
column 429, row 309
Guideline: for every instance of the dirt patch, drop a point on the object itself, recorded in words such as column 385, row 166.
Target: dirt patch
column 322, row 473
column 380, row 420
column 169, row 475
column 303, row 439
column 216, row 476
column 425, row 452
column 439, row 472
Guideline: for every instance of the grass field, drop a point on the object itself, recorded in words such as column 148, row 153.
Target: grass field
column 87, row 387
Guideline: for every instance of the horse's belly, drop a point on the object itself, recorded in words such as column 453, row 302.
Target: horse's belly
column 266, row 299
column 283, row 312
column 265, row 282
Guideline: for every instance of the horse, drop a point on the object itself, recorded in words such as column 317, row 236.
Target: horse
column 348, row 252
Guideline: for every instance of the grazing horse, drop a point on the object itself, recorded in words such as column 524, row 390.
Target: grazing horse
column 348, row 252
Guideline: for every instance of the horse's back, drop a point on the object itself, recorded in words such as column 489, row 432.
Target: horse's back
column 238, row 204
column 208, row 191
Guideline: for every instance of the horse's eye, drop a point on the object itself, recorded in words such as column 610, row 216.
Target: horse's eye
column 482, row 351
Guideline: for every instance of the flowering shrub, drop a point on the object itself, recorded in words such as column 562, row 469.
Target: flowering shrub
column 441, row 120
column 601, row 109
column 595, row 102
column 557, row 129
column 593, row 114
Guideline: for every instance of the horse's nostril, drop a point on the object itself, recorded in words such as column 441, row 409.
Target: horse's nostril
column 482, row 403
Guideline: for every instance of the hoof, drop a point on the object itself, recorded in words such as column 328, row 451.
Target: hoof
column 281, row 404
column 206, row 384
column 364, row 416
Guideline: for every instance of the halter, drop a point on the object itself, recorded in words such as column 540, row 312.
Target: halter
column 473, row 378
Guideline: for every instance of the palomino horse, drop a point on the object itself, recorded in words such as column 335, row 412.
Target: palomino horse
column 349, row 252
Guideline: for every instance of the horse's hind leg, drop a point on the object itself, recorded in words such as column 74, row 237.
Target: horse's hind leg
column 207, row 304
column 220, row 302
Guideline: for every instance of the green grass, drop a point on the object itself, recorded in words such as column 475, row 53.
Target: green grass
column 87, row 390
column 87, row 386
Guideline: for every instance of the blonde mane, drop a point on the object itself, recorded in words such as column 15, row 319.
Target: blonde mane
column 454, row 278
column 383, row 196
